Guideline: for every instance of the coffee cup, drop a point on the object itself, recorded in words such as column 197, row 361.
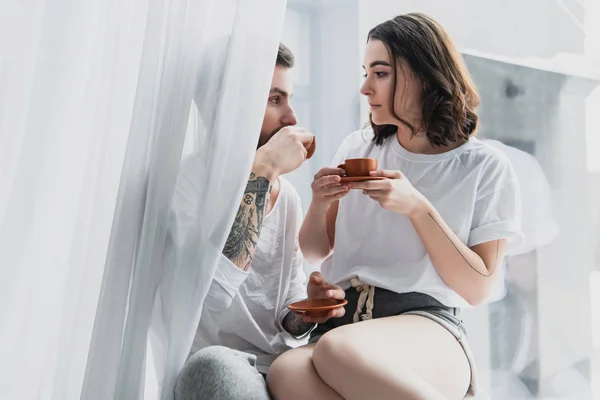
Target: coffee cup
column 310, row 150
column 359, row 166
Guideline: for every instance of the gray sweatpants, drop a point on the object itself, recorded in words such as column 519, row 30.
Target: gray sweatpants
column 220, row 373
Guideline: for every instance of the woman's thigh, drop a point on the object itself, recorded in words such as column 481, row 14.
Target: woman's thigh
column 406, row 356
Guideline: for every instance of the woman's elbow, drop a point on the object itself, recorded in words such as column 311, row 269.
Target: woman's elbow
column 314, row 257
column 477, row 296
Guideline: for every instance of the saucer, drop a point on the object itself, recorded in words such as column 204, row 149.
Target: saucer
column 346, row 179
column 316, row 307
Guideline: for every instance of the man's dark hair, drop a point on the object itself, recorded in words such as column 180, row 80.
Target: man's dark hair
column 285, row 57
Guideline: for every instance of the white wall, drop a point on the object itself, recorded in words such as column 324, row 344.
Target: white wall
column 506, row 28
column 512, row 28
column 324, row 37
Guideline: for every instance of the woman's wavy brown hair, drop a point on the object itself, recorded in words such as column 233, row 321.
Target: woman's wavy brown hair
column 449, row 96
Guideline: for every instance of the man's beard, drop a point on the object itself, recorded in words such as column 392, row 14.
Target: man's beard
column 265, row 137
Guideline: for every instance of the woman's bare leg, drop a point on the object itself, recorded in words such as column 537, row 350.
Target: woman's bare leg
column 401, row 357
column 293, row 377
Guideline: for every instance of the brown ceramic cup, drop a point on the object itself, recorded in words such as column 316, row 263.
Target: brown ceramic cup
column 359, row 166
column 310, row 150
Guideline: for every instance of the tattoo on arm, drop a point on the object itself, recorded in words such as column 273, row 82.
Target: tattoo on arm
column 463, row 257
column 294, row 325
column 243, row 237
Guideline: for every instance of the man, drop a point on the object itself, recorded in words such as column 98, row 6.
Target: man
column 245, row 323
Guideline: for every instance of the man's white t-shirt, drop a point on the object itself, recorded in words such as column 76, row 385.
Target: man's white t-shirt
column 244, row 310
column 474, row 189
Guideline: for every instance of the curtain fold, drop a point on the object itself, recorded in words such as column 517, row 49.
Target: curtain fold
column 94, row 104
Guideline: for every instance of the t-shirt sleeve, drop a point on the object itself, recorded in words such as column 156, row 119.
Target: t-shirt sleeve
column 184, row 224
column 497, row 212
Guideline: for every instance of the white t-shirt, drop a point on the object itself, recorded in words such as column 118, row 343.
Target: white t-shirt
column 538, row 222
column 474, row 189
column 244, row 310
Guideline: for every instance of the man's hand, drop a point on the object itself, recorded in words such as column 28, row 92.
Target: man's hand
column 298, row 324
column 318, row 288
column 284, row 152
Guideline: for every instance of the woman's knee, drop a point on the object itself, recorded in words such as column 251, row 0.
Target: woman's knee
column 333, row 354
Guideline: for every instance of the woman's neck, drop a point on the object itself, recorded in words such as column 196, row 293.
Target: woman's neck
column 419, row 143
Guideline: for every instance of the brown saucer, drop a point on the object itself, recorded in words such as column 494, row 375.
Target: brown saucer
column 316, row 307
column 346, row 179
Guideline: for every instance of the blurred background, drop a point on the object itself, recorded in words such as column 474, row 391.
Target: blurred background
column 536, row 64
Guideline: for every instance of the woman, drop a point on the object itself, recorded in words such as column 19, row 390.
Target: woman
column 412, row 249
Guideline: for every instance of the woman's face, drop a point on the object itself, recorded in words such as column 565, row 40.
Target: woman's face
column 378, row 86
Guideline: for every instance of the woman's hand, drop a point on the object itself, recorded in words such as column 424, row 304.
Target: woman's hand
column 395, row 193
column 327, row 188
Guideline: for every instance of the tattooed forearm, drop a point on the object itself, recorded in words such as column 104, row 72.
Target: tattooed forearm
column 243, row 237
column 293, row 324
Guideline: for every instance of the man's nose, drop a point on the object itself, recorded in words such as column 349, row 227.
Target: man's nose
column 289, row 118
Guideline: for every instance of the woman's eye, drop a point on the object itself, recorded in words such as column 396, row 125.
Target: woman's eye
column 275, row 100
column 379, row 74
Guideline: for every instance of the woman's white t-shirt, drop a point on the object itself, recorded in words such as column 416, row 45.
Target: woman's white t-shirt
column 473, row 187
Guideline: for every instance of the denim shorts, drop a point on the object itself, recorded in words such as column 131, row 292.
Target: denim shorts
column 385, row 303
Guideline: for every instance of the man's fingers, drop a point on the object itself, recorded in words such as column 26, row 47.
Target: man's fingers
column 316, row 277
column 337, row 313
column 305, row 137
column 336, row 293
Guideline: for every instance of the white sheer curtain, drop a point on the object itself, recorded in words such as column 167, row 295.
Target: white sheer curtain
column 94, row 101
